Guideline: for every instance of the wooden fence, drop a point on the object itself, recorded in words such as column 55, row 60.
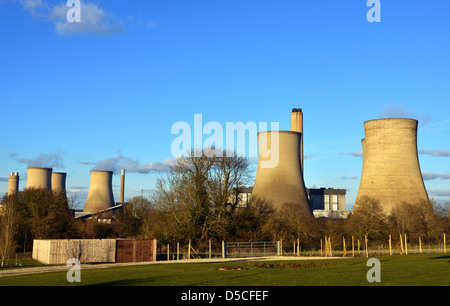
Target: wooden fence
column 130, row 250
column 57, row 252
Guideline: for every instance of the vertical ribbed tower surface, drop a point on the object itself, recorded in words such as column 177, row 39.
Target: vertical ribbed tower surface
column 13, row 183
column 100, row 195
column 39, row 178
column 280, row 182
column 59, row 181
column 391, row 171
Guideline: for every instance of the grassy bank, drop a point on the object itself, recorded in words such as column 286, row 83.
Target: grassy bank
column 410, row 270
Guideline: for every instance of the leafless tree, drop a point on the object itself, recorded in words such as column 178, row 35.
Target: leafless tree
column 8, row 226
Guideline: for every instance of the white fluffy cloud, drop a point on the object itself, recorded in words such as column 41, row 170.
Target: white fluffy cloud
column 94, row 19
column 131, row 165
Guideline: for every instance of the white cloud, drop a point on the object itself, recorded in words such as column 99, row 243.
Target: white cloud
column 43, row 160
column 95, row 21
column 119, row 162
column 439, row 153
column 434, row 176
column 439, row 192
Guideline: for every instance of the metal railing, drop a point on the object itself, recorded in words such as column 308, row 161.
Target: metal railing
column 251, row 249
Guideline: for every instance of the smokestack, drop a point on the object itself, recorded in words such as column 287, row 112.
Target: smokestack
column 122, row 186
column 282, row 183
column 391, row 171
column 39, row 178
column 297, row 126
column 100, row 195
column 13, row 183
column 59, row 181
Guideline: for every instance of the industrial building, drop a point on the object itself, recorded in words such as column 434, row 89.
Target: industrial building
column 328, row 203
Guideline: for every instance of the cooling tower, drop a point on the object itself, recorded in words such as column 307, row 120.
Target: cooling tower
column 391, row 171
column 13, row 183
column 59, row 181
column 100, row 194
column 39, row 178
column 282, row 183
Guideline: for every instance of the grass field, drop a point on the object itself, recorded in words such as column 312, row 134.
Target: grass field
column 410, row 270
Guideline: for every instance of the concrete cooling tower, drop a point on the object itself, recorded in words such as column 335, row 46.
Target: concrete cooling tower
column 280, row 182
column 391, row 171
column 39, row 178
column 13, row 183
column 100, row 194
column 59, row 181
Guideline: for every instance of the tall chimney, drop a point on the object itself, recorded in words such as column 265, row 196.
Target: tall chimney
column 122, row 185
column 297, row 126
column 13, row 184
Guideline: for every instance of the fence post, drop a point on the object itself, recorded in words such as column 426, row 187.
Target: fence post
column 178, row 251
column 209, row 248
column 353, row 246
column 298, row 246
column 189, row 250
column 223, row 249
column 406, row 246
column 401, row 242
column 367, row 249
column 345, row 249
column 445, row 245
column 390, row 245
column 168, row 252
column 320, row 247
column 420, row 245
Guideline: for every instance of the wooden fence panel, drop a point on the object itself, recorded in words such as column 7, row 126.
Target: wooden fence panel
column 128, row 250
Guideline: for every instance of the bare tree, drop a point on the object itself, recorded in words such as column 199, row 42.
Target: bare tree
column 368, row 218
column 8, row 226
column 197, row 191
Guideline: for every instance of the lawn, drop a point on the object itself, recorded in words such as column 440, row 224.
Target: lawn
column 410, row 270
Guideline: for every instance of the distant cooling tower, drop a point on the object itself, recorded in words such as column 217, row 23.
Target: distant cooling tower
column 284, row 182
column 13, row 184
column 39, row 178
column 100, row 194
column 391, row 171
column 59, row 181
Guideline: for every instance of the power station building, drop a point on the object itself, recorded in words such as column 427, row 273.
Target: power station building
column 328, row 203
column 391, row 171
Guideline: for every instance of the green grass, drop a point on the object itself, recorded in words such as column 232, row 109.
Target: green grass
column 410, row 270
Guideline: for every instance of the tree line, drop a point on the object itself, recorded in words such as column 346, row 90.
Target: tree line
column 198, row 201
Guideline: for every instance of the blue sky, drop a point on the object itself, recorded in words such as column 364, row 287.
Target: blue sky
column 105, row 93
